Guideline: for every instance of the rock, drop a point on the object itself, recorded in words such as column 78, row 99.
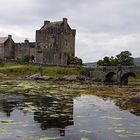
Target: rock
column 134, row 99
column 70, row 78
column 46, row 78
column 3, row 75
column 81, row 78
column 56, row 79
column 39, row 77
column 86, row 82
column 35, row 77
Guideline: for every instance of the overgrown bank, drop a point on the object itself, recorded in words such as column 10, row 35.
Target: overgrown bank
column 11, row 69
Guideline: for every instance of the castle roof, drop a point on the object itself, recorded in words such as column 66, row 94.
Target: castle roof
column 52, row 25
column 3, row 39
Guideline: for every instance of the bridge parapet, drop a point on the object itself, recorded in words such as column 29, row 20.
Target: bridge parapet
column 103, row 73
column 114, row 68
column 104, row 68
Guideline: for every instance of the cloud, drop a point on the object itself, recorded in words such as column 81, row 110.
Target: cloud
column 96, row 46
column 105, row 27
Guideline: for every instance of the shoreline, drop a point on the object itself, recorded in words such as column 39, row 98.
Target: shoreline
column 125, row 97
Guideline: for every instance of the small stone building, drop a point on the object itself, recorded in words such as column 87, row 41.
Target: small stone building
column 54, row 42
column 7, row 47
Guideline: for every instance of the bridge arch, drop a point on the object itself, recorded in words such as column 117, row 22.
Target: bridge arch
column 125, row 76
column 109, row 77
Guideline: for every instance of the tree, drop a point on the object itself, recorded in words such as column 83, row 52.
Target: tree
column 105, row 62
column 74, row 60
column 78, row 61
column 70, row 59
column 100, row 63
column 125, row 59
column 113, row 61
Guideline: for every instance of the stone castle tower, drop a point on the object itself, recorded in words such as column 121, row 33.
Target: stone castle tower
column 54, row 42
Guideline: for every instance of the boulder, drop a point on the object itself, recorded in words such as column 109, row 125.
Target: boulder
column 36, row 76
column 134, row 99
column 81, row 78
column 46, row 78
column 70, row 78
column 3, row 75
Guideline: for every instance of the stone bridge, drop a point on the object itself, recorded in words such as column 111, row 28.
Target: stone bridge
column 105, row 74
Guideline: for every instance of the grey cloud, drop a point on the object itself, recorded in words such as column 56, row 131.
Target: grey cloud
column 90, row 16
column 114, row 17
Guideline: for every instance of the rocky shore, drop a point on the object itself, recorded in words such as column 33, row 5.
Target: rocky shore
column 125, row 97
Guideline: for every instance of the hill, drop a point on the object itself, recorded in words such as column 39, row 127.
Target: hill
column 137, row 61
column 92, row 64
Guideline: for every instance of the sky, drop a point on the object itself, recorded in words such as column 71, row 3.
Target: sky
column 104, row 27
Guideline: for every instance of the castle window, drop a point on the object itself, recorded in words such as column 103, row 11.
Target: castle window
column 39, row 49
column 66, row 42
column 32, row 58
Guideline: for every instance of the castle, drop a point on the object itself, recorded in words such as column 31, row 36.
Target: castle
column 54, row 42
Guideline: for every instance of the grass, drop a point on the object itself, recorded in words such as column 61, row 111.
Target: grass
column 134, row 81
column 11, row 69
column 134, row 78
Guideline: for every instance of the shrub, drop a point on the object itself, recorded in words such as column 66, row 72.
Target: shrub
column 25, row 59
column 74, row 60
column 1, row 63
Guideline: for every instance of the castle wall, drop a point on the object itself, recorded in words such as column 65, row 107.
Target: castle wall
column 22, row 49
column 54, row 42
column 33, row 53
column 9, row 49
column 54, row 58
column 1, row 50
column 67, row 43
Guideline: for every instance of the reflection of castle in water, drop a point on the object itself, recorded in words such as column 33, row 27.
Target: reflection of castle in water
column 55, row 112
column 6, row 108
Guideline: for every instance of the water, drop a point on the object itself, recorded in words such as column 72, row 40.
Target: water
column 65, row 117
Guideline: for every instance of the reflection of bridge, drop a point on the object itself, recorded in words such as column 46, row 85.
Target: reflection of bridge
column 105, row 74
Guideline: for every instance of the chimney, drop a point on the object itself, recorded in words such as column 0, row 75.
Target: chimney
column 26, row 41
column 65, row 20
column 46, row 22
column 10, row 36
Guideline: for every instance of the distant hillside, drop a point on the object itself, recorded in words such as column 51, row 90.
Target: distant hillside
column 137, row 61
column 92, row 64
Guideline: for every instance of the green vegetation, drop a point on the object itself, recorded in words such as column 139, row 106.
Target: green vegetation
column 124, row 59
column 74, row 60
column 39, row 87
column 11, row 69
column 25, row 59
column 1, row 62
column 107, row 93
